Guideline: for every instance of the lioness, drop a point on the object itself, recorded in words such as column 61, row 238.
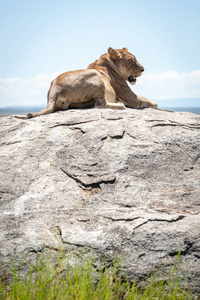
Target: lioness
column 102, row 84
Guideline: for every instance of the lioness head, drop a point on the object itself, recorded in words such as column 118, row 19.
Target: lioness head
column 126, row 63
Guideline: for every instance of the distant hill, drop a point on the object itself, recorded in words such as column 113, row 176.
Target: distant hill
column 195, row 110
column 10, row 110
column 189, row 105
column 178, row 103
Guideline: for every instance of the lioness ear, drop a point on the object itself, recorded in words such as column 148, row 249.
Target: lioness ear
column 114, row 54
column 125, row 49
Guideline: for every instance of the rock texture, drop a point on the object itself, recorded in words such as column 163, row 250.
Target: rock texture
column 108, row 181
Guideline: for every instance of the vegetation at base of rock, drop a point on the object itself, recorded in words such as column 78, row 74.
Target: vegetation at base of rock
column 48, row 279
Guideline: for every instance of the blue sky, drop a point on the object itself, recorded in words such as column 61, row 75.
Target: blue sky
column 40, row 39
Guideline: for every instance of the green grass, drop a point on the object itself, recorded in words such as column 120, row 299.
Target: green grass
column 63, row 280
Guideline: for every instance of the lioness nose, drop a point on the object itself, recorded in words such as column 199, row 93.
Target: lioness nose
column 142, row 69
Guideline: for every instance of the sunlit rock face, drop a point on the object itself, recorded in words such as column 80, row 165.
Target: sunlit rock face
column 110, row 182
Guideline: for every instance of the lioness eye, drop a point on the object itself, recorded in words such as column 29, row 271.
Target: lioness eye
column 132, row 61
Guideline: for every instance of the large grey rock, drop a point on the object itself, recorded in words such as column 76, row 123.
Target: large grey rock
column 108, row 181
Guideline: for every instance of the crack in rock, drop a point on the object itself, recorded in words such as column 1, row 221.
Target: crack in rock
column 57, row 232
column 60, row 236
column 118, row 136
column 141, row 224
column 72, row 123
column 152, row 219
column 121, row 219
column 177, row 218
column 41, row 249
column 183, row 251
column 91, row 185
column 189, row 127
column 196, row 158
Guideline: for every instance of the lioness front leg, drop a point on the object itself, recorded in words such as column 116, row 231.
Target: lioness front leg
column 144, row 102
column 130, row 99
column 102, row 103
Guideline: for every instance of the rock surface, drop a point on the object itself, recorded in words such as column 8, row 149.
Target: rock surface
column 125, row 182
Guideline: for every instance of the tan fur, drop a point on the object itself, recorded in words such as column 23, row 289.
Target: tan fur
column 102, row 84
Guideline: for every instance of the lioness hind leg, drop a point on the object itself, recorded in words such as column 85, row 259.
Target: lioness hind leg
column 102, row 103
